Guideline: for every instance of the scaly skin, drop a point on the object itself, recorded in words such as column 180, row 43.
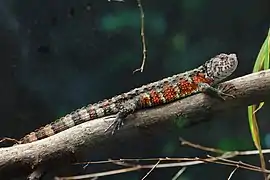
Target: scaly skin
column 157, row 93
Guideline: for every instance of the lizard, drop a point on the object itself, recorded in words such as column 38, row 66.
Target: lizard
column 199, row 80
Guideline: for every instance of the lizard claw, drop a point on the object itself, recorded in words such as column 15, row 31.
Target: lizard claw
column 223, row 89
column 116, row 124
column 124, row 110
column 222, row 95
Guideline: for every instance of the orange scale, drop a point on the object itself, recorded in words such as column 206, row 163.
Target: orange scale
column 155, row 99
column 201, row 78
column 185, row 87
column 169, row 94
column 92, row 113
column 145, row 101
column 194, row 86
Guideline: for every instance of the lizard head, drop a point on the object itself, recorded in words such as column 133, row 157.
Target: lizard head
column 221, row 66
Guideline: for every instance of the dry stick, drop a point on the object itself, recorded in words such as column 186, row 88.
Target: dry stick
column 224, row 158
column 116, row 0
column 142, row 35
column 231, row 174
column 143, row 38
column 194, row 161
column 22, row 159
column 179, row 173
column 99, row 174
column 37, row 174
column 235, row 164
column 151, row 170
column 197, row 146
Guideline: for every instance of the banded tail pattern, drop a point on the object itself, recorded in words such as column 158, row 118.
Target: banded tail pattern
column 79, row 116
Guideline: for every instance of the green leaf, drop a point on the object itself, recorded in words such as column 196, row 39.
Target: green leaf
column 262, row 62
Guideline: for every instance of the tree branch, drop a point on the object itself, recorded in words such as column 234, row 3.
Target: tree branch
column 62, row 147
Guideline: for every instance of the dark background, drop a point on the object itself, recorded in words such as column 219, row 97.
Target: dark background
column 59, row 55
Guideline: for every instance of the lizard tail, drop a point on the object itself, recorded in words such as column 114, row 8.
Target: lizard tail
column 76, row 117
column 50, row 129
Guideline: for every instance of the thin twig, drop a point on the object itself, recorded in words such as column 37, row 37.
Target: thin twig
column 99, row 174
column 143, row 38
column 117, row 0
column 151, row 170
column 178, row 174
column 197, row 146
column 193, row 161
column 233, row 172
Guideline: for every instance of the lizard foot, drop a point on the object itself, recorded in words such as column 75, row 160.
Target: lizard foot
column 125, row 109
column 117, row 123
column 221, row 91
column 224, row 90
column 6, row 139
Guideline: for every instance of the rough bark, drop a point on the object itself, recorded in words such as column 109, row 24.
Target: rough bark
column 62, row 147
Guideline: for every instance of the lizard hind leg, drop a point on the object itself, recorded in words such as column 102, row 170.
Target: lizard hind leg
column 11, row 140
column 125, row 108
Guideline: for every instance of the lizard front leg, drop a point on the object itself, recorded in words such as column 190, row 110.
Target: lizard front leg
column 220, row 91
column 125, row 108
